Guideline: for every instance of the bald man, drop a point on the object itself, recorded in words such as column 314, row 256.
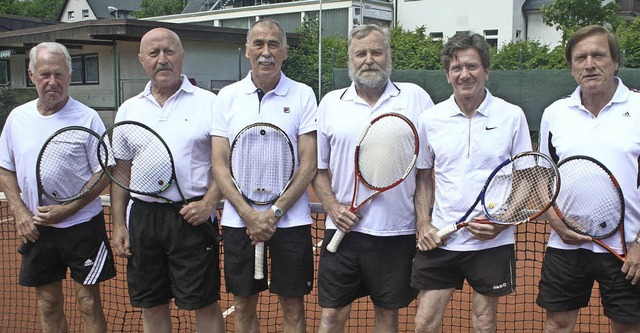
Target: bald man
column 169, row 257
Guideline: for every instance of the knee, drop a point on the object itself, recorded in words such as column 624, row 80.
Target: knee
column 484, row 323
column 88, row 304
column 426, row 324
column 292, row 307
column 50, row 304
column 245, row 305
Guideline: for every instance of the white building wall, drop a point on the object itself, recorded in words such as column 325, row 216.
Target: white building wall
column 76, row 6
column 449, row 16
column 541, row 32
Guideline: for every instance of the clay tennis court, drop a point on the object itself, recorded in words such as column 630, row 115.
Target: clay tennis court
column 517, row 312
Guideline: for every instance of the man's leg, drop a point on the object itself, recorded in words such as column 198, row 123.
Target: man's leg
column 245, row 317
column 294, row 316
column 89, row 304
column 157, row 319
column 333, row 320
column 386, row 320
column 51, row 304
column 209, row 319
column 560, row 322
column 431, row 307
column 484, row 313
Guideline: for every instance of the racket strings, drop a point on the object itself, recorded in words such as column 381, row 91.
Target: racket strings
column 66, row 164
column 262, row 163
column 590, row 201
column 386, row 152
column 143, row 161
column 520, row 190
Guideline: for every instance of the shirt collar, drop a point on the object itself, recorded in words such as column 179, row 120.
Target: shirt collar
column 484, row 109
column 620, row 96
column 390, row 90
column 280, row 90
column 185, row 86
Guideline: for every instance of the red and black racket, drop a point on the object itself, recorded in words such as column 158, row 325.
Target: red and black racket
column 67, row 167
column 518, row 190
column 262, row 162
column 384, row 157
column 591, row 202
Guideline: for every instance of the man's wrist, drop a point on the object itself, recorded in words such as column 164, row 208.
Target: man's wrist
column 637, row 240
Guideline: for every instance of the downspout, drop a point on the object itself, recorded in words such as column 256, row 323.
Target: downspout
column 116, row 79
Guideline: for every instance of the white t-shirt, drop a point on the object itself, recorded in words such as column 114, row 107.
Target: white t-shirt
column 291, row 106
column 23, row 136
column 184, row 123
column 613, row 138
column 462, row 153
column 342, row 116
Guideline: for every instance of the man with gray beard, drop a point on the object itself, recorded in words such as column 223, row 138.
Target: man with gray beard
column 364, row 264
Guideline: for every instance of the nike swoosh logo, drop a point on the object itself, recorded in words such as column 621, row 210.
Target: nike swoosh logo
column 490, row 128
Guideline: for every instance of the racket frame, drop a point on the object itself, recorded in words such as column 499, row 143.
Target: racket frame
column 462, row 222
column 620, row 226
column 353, row 208
column 258, row 273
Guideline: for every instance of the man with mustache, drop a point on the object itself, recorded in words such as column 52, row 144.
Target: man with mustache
column 600, row 119
column 375, row 255
column 267, row 95
column 69, row 236
column 169, row 256
column 462, row 140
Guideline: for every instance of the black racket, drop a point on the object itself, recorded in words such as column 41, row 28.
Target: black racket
column 384, row 157
column 591, row 202
column 262, row 162
column 518, row 190
column 143, row 163
column 65, row 167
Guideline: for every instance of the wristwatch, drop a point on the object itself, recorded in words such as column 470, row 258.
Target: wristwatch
column 637, row 240
column 277, row 211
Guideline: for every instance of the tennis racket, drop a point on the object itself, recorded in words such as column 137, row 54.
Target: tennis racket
column 518, row 190
column 384, row 157
column 591, row 202
column 262, row 163
column 143, row 163
column 65, row 167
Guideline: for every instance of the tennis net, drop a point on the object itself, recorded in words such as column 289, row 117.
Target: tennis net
column 517, row 312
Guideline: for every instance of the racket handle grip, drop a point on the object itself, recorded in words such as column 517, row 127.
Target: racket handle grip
column 447, row 231
column 258, row 273
column 335, row 241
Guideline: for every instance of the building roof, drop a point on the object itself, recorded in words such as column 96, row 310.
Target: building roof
column 107, row 32
column 530, row 5
column 14, row 22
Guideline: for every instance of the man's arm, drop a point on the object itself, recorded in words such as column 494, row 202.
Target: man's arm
column 198, row 212
column 340, row 214
column 119, row 202
column 260, row 225
column 307, row 156
column 23, row 216
column 423, row 199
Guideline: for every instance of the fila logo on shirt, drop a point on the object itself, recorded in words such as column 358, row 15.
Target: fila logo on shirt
column 286, row 109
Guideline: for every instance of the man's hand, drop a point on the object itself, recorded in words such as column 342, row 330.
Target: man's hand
column 120, row 240
column 428, row 238
column 342, row 217
column 261, row 225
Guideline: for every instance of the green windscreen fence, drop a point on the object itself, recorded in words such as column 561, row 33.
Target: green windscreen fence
column 532, row 90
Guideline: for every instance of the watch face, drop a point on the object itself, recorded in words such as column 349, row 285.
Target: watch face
column 277, row 211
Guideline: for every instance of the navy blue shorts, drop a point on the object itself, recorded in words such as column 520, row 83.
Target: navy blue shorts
column 490, row 272
column 367, row 265
column 83, row 248
column 567, row 281
column 170, row 259
column 290, row 251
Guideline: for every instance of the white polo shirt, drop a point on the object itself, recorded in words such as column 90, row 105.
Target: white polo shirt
column 342, row 116
column 462, row 153
column 184, row 123
column 613, row 138
column 24, row 133
column 291, row 106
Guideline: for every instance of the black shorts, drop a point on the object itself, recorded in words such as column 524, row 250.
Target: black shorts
column 567, row 280
column 290, row 251
column 490, row 272
column 367, row 265
column 83, row 248
column 170, row 258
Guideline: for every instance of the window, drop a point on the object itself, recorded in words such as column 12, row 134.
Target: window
column 5, row 80
column 85, row 13
column 436, row 35
column 85, row 69
column 491, row 36
column 71, row 15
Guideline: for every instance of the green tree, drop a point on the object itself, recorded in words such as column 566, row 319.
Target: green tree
column 570, row 15
column 415, row 49
column 528, row 54
column 151, row 8
column 43, row 9
column 629, row 36
column 302, row 64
